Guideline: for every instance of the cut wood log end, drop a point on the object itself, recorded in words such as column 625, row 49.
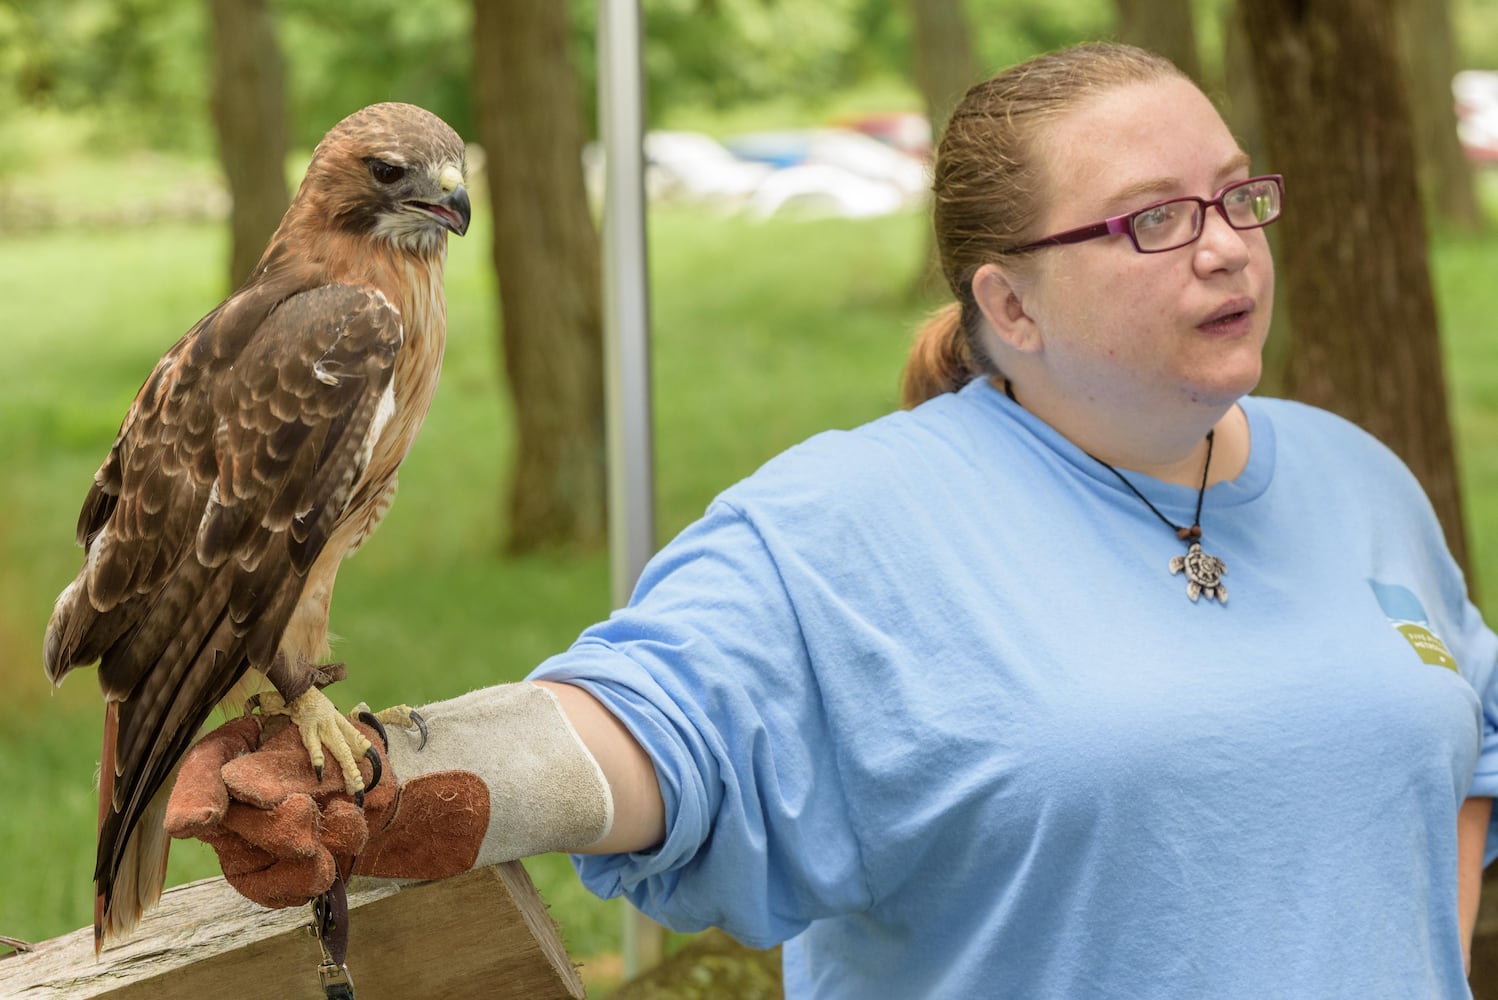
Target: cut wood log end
column 484, row 933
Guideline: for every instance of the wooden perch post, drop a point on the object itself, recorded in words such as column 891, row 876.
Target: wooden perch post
column 483, row 934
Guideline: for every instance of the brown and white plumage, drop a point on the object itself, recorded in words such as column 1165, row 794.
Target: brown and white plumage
column 261, row 450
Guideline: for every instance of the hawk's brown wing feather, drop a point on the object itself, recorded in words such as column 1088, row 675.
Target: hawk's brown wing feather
column 237, row 459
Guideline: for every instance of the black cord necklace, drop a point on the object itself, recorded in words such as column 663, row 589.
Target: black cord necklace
column 1203, row 572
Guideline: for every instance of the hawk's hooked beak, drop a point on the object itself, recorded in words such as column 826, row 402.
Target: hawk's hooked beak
column 453, row 211
column 456, row 210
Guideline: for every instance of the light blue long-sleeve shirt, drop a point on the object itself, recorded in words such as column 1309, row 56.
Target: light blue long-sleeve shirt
column 927, row 703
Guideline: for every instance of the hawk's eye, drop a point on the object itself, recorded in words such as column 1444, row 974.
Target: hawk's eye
column 385, row 173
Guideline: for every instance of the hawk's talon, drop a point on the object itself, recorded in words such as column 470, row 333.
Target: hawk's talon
column 371, row 720
column 376, row 770
column 397, row 715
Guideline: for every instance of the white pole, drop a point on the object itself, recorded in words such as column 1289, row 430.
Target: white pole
column 626, row 296
column 626, row 330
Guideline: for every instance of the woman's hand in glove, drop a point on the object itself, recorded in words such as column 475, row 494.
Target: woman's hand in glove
column 281, row 832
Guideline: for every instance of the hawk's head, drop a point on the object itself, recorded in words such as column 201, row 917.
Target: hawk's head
column 392, row 172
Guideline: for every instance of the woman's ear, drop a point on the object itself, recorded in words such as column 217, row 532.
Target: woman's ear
column 1001, row 301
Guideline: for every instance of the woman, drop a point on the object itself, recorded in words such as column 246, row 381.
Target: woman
column 956, row 704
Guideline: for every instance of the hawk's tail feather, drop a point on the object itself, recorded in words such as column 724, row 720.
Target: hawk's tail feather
column 156, row 719
column 140, row 880
column 162, row 715
column 147, row 733
column 135, row 883
column 171, row 647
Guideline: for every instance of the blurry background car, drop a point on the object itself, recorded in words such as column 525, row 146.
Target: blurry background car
column 906, row 131
column 1476, row 93
column 817, row 172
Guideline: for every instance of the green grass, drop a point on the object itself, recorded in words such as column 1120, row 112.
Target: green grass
column 1467, row 298
column 764, row 335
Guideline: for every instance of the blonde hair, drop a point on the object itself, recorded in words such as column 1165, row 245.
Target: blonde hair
column 989, row 190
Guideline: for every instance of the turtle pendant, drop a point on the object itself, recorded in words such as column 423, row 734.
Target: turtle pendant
column 1203, row 573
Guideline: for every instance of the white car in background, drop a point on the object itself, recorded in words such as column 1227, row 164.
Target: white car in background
column 1476, row 93
column 805, row 173
column 693, row 166
column 831, row 171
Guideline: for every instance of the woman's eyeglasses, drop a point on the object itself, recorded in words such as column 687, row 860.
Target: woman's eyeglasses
column 1169, row 225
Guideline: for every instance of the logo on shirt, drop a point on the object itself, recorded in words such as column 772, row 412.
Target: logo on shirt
column 1407, row 615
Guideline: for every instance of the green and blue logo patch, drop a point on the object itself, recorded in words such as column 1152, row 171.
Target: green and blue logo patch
column 1407, row 615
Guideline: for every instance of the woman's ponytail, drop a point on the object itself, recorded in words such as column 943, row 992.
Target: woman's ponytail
column 940, row 361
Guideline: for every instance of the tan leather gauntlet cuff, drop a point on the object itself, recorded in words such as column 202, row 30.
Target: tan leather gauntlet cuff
column 546, row 791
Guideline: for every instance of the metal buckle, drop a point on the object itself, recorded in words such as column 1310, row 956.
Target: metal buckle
column 336, row 982
column 334, row 977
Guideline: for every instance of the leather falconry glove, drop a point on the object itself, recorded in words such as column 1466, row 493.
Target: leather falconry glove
column 502, row 775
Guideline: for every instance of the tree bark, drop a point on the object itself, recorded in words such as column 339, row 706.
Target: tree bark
column 1240, row 106
column 1428, row 55
column 945, row 67
column 1352, row 241
column 249, row 116
column 1163, row 26
column 546, row 254
column 1484, row 977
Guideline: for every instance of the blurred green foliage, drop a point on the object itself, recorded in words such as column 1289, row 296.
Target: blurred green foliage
column 139, row 69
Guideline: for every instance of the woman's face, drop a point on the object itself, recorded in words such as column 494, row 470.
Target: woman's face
column 1121, row 327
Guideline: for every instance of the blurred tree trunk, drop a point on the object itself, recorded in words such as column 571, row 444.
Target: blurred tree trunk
column 546, row 254
column 1163, row 26
column 1428, row 54
column 1484, row 977
column 1240, row 106
column 1352, row 242
column 945, row 67
column 249, row 115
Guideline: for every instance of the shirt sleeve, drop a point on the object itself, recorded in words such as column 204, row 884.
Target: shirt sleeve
column 1479, row 664
column 708, row 668
column 1476, row 652
column 1418, row 534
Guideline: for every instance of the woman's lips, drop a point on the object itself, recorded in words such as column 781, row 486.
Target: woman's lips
column 1230, row 317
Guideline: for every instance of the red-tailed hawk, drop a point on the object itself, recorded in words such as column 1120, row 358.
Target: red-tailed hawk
column 261, row 450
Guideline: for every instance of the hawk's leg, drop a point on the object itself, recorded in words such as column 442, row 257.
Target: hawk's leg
column 322, row 725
